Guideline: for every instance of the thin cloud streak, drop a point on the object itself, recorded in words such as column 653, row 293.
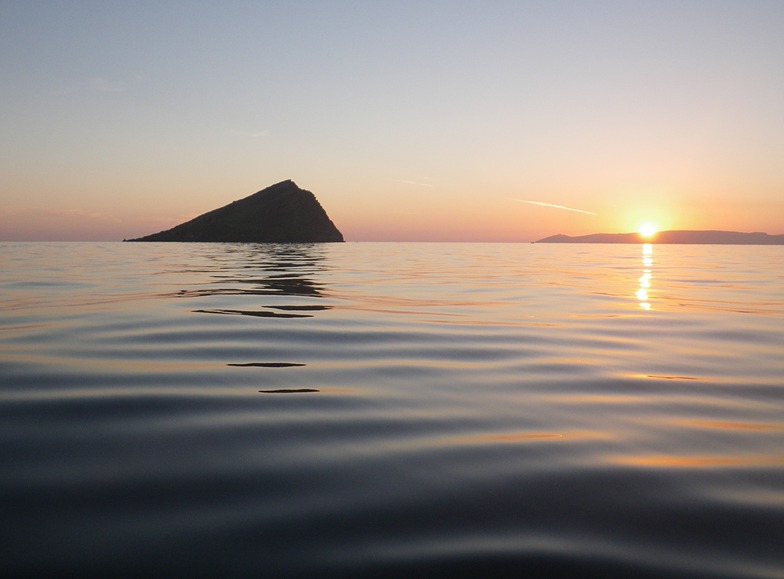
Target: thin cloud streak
column 553, row 205
column 259, row 134
column 253, row 134
column 101, row 84
column 415, row 183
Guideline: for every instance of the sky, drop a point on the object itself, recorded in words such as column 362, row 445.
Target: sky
column 409, row 121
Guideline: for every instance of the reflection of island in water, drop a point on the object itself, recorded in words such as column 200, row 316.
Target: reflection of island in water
column 284, row 274
column 645, row 278
column 268, row 269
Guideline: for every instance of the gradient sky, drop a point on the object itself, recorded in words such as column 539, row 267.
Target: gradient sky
column 408, row 120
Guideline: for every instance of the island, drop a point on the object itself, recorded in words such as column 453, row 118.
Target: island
column 281, row 213
column 708, row 237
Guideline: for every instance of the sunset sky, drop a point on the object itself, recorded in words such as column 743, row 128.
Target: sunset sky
column 408, row 120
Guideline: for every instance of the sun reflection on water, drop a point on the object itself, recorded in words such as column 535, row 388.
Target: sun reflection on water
column 645, row 278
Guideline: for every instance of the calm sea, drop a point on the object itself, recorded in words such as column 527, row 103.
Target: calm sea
column 370, row 409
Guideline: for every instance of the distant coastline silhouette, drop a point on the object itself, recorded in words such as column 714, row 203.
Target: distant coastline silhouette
column 697, row 237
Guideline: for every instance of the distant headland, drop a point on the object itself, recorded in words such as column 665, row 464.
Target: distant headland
column 281, row 213
column 676, row 236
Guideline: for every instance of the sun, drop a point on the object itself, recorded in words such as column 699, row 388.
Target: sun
column 648, row 230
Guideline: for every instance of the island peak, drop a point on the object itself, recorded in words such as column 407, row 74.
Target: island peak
column 280, row 213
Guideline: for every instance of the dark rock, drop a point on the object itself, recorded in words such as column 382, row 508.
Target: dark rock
column 266, row 365
column 289, row 390
column 281, row 213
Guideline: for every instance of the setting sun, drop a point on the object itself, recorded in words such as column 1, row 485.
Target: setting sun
column 648, row 230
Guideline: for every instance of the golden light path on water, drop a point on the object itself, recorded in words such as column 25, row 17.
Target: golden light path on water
column 647, row 275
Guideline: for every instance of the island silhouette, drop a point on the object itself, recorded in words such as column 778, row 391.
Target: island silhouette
column 281, row 213
column 707, row 237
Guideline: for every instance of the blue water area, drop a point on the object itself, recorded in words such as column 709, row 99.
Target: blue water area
column 388, row 410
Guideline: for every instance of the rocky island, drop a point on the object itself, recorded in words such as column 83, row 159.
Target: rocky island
column 676, row 236
column 281, row 213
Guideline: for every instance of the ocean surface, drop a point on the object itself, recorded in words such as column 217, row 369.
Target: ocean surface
column 391, row 410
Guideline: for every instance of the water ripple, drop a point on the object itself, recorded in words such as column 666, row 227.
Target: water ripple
column 384, row 410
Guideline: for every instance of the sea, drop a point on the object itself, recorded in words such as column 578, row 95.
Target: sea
column 391, row 410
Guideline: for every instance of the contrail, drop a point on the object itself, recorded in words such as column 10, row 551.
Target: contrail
column 542, row 204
